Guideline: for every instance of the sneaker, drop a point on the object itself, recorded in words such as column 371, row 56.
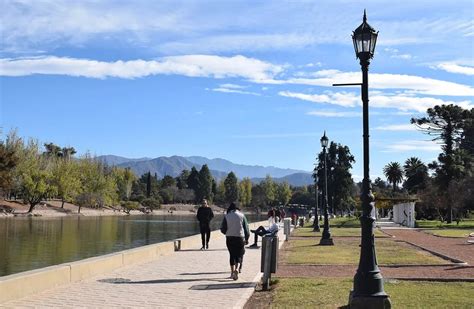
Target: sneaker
column 235, row 275
column 207, row 246
column 253, row 231
column 202, row 248
column 253, row 246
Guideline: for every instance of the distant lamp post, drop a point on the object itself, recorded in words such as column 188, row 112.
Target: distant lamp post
column 326, row 239
column 316, row 196
column 368, row 282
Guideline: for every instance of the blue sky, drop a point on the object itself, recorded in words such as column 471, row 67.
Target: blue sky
column 247, row 81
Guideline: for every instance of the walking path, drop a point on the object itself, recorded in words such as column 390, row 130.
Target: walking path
column 184, row 279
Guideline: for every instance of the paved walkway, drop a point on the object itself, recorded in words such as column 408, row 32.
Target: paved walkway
column 184, row 279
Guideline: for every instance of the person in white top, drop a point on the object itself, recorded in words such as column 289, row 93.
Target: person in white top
column 261, row 231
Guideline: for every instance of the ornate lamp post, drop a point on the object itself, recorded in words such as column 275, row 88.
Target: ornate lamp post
column 368, row 282
column 326, row 239
column 316, row 195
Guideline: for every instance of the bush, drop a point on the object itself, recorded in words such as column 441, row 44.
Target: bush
column 152, row 203
column 130, row 205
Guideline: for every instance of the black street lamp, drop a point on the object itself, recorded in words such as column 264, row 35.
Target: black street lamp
column 326, row 239
column 316, row 196
column 368, row 282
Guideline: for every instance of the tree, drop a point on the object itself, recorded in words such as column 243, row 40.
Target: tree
column 181, row 180
column 393, row 172
column 231, row 188
column 245, row 189
column 339, row 179
column 35, row 176
column 124, row 177
column 205, row 184
column 167, row 181
column 269, row 189
column 283, row 193
column 416, row 175
column 447, row 125
column 65, row 177
column 8, row 162
column 193, row 182
column 52, row 150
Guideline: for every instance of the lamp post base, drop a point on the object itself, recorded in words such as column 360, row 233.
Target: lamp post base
column 369, row 302
column 326, row 242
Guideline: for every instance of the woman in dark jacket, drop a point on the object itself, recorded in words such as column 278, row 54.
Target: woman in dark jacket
column 204, row 216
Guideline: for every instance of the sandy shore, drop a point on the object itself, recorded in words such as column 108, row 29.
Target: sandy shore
column 52, row 208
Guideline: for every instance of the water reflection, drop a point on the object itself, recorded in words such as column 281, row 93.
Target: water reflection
column 30, row 243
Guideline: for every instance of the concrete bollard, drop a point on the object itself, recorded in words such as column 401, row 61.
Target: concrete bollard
column 177, row 245
column 267, row 263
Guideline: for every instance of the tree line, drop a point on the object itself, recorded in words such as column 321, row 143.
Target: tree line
column 447, row 192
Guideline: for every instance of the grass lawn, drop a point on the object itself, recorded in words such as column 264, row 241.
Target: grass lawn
column 335, row 231
column 346, row 251
column 465, row 224
column 334, row 293
column 461, row 233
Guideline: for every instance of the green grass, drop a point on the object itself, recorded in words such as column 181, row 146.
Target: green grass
column 346, row 251
column 335, row 231
column 465, row 224
column 461, row 233
column 334, row 293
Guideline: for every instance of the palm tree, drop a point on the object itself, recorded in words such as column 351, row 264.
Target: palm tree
column 393, row 172
column 416, row 173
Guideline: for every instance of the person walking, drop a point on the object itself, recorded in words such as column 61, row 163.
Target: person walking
column 204, row 216
column 236, row 229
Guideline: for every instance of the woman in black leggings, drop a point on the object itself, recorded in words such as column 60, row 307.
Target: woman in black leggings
column 204, row 216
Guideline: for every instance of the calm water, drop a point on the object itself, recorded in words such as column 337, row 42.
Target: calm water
column 30, row 243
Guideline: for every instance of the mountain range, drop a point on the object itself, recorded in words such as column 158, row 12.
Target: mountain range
column 219, row 168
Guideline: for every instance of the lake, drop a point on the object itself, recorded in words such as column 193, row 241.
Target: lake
column 31, row 243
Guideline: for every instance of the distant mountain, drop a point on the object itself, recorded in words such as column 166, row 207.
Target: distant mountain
column 241, row 170
column 219, row 168
column 296, row 179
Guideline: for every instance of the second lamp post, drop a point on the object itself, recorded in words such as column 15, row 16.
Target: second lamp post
column 326, row 239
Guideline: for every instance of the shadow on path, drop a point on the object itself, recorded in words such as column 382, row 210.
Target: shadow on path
column 157, row 281
column 236, row 285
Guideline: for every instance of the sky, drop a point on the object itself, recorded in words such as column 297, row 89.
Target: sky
column 247, row 81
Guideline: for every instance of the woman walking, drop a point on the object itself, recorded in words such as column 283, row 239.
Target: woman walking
column 236, row 230
column 204, row 216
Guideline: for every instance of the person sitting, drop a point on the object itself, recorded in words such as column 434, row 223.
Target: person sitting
column 261, row 231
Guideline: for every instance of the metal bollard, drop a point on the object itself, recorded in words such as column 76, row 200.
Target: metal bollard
column 286, row 228
column 267, row 263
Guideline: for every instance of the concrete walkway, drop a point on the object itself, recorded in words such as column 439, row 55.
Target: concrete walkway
column 184, row 279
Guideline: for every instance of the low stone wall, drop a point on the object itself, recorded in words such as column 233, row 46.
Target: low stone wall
column 34, row 281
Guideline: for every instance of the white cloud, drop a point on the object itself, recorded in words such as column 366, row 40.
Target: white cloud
column 338, row 98
column 413, row 145
column 400, row 101
column 397, row 127
column 334, row 114
column 455, row 68
column 190, row 65
column 232, row 86
column 230, row 90
column 417, row 84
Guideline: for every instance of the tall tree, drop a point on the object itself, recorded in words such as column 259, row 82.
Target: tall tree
column 393, row 172
column 35, row 176
column 245, row 189
column 446, row 125
column 167, row 181
column 231, row 188
column 283, row 193
column 8, row 161
column 205, row 184
column 416, row 175
column 339, row 179
column 193, row 183
column 181, row 180
column 270, row 190
column 65, row 175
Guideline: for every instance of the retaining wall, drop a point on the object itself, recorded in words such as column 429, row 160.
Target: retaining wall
column 22, row 284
